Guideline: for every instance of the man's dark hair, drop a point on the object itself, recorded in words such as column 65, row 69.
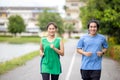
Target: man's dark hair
column 93, row 21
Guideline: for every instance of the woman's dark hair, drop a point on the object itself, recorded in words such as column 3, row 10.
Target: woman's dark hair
column 93, row 21
column 52, row 23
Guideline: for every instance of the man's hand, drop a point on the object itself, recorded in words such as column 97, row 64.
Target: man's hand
column 87, row 53
column 100, row 53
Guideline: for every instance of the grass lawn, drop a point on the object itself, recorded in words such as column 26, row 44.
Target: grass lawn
column 19, row 40
column 11, row 64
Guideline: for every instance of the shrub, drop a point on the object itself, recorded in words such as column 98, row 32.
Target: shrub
column 114, row 52
column 77, row 37
column 112, row 40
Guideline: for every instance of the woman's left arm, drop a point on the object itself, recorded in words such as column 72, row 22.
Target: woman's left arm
column 61, row 50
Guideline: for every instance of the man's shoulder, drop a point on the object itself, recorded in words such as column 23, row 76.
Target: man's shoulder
column 85, row 35
column 101, row 35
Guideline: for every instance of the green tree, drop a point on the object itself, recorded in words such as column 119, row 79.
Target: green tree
column 46, row 17
column 69, row 28
column 16, row 24
column 107, row 12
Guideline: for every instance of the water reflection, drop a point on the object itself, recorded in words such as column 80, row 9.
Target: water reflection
column 9, row 51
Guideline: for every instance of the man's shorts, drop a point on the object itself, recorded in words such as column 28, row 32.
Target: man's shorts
column 91, row 74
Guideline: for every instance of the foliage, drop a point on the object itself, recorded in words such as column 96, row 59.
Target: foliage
column 112, row 40
column 69, row 28
column 16, row 24
column 114, row 52
column 107, row 12
column 19, row 40
column 77, row 37
column 65, row 8
column 46, row 17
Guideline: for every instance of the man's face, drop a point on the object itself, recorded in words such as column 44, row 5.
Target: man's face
column 93, row 28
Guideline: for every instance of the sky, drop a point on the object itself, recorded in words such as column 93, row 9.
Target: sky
column 57, row 3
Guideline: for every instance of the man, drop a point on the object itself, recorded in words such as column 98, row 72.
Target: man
column 92, row 47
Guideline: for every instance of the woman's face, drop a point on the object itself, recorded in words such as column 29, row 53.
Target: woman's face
column 51, row 30
column 92, row 28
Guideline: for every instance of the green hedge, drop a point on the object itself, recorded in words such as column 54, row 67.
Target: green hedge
column 19, row 40
column 114, row 52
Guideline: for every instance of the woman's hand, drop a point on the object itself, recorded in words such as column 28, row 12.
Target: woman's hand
column 41, row 54
column 41, row 50
column 52, row 46
column 59, row 51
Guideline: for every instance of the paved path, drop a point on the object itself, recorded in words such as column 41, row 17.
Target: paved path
column 70, row 66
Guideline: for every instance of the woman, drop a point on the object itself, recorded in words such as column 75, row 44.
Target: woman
column 51, row 48
column 92, row 46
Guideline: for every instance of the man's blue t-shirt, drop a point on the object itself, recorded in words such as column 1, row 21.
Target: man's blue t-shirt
column 92, row 44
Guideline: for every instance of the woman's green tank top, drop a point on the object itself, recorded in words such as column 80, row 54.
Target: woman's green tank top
column 50, row 62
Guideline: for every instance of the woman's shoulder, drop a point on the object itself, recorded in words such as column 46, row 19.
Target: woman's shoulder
column 58, row 38
column 43, row 38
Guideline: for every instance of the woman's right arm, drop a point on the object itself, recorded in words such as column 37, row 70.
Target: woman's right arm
column 41, row 50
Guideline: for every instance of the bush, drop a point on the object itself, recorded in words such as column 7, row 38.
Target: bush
column 114, row 52
column 112, row 40
column 77, row 37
